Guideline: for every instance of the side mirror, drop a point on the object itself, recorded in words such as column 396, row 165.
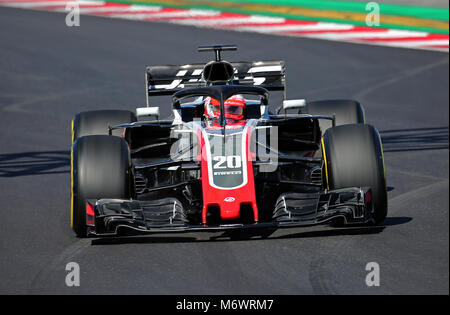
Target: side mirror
column 147, row 111
column 289, row 104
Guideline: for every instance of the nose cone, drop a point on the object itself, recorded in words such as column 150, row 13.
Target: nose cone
column 230, row 208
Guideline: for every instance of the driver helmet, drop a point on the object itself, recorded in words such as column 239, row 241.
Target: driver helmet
column 234, row 107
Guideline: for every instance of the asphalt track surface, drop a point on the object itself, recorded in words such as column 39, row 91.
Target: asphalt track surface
column 49, row 72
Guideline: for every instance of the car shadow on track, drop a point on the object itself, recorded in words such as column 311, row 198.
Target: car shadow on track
column 34, row 163
column 418, row 139
column 253, row 235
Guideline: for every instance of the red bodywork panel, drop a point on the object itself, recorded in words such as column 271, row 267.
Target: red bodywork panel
column 228, row 199
column 90, row 214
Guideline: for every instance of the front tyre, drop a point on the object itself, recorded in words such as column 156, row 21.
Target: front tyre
column 353, row 157
column 100, row 168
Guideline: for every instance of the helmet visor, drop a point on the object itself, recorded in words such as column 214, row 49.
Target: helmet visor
column 234, row 110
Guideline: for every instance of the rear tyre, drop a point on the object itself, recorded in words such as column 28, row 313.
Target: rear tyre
column 345, row 112
column 100, row 168
column 353, row 157
column 97, row 122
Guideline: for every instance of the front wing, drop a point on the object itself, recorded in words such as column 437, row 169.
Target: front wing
column 108, row 216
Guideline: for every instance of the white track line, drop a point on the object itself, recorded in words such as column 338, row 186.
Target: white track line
column 231, row 20
column 284, row 28
column 37, row 4
column 128, row 9
column 165, row 15
column 355, row 35
column 413, row 44
column 23, row 1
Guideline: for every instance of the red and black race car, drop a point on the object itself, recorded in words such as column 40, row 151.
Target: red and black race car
column 224, row 160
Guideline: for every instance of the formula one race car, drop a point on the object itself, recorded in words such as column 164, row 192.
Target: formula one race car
column 224, row 160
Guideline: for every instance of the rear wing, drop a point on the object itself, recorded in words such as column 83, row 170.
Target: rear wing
column 166, row 80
